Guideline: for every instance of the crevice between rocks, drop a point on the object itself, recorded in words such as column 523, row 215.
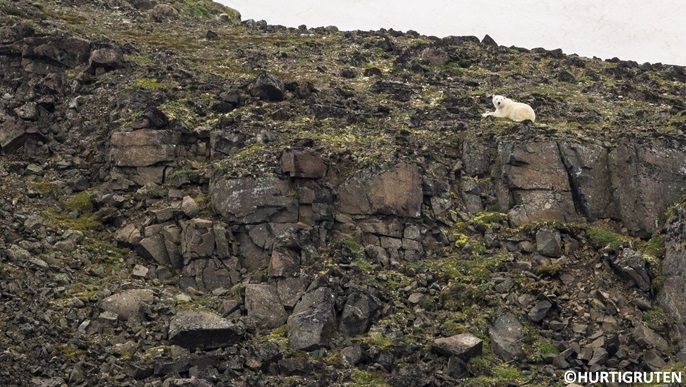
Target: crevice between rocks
column 579, row 207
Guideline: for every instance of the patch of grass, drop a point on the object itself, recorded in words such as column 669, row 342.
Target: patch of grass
column 376, row 339
column 152, row 84
column 197, row 9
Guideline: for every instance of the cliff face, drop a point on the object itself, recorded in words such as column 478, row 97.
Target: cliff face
column 187, row 198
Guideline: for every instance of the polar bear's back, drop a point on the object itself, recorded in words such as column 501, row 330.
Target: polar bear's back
column 522, row 111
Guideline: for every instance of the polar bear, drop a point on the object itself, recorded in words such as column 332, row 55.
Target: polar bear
column 507, row 108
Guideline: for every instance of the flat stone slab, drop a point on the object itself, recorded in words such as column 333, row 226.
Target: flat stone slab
column 202, row 330
column 465, row 346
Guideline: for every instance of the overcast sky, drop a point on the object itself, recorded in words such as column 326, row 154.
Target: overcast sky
column 640, row 30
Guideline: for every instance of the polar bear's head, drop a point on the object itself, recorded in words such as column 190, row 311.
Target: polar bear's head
column 498, row 101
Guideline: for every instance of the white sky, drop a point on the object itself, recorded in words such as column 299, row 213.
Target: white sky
column 640, row 30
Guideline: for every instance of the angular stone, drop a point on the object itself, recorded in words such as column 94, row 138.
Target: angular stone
column 67, row 51
column 108, row 58
column 143, row 148
column 653, row 360
column 189, row 207
column 549, row 243
column 647, row 338
column 358, row 313
column 127, row 304
column 254, row 200
column 283, row 264
column 197, row 239
column 313, row 321
column 302, row 164
column 464, row 346
column 397, row 191
column 588, row 171
column 506, row 336
column 154, row 248
column 202, row 330
column 129, row 235
column 632, row 266
column 291, row 289
column 263, row 305
column 533, row 183
column 268, row 87
column 540, row 310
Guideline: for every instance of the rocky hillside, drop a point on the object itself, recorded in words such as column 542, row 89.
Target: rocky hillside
column 188, row 199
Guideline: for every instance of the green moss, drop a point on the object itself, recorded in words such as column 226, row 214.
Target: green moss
column 367, row 378
column 656, row 319
column 376, row 339
column 601, row 238
column 654, row 247
column 80, row 202
column 153, row 84
column 539, row 348
column 45, row 187
column 198, row 8
column 460, row 239
column 552, row 270
column 488, row 218
column 14, row 11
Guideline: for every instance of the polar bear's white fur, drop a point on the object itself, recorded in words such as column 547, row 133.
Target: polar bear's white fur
column 507, row 108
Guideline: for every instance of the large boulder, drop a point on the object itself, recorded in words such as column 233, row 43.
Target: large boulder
column 254, row 200
column 143, row 148
column 506, row 336
column 396, row 191
column 464, row 346
column 196, row 329
column 268, row 87
column 127, row 304
column 358, row 313
column 264, row 305
column 533, row 183
column 313, row 321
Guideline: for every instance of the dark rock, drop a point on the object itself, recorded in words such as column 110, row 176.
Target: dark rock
column 409, row 375
column 647, row 338
column 251, row 201
column 313, row 321
column 267, row 87
column 632, row 266
column 540, row 310
column 352, row 354
column 464, row 346
column 155, row 249
column 457, row 368
column 107, row 58
column 506, row 335
column 152, row 118
column 263, row 305
column 358, row 313
column 549, row 243
column 143, row 147
column 488, row 41
column 394, row 192
column 283, row 264
column 537, row 182
column 302, row 164
column 202, row 330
